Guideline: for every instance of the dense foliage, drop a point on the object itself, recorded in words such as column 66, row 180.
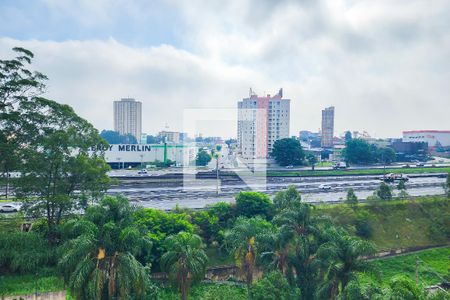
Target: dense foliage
column 99, row 257
column 202, row 158
column 49, row 144
column 288, row 151
column 253, row 203
column 359, row 151
column 184, row 261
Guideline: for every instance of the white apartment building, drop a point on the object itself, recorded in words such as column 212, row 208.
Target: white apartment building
column 128, row 117
column 261, row 122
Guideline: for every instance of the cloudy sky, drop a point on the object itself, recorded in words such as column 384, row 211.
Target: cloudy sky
column 384, row 65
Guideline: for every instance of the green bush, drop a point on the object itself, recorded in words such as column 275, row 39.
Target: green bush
column 251, row 204
column 363, row 226
column 225, row 212
column 24, row 252
column 208, row 225
column 161, row 224
column 274, row 286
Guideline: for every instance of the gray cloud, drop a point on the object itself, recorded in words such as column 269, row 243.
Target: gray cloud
column 384, row 65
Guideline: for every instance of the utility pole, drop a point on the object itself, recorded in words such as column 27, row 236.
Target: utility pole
column 217, row 174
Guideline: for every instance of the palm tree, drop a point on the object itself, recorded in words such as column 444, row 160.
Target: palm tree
column 301, row 229
column 278, row 248
column 296, row 220
column 184, row 260
column 342, row 257
column 243, row 241
column 99, row 257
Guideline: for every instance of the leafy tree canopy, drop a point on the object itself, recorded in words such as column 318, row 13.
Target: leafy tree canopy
column 288, row 151
column 98, row 260
column 251, row 204
column 203, row 158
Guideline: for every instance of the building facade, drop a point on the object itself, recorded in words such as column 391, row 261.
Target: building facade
column 171, row 136
column 327, row 127
column 128, row 117
column 432, row 137
column 124, row 155
column 261, row 122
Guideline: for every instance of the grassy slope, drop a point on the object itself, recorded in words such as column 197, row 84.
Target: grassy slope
column 27, row 284
column 398, row 224
column 207, row 291
column 433, row 265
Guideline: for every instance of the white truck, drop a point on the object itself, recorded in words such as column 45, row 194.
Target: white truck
column 340, row 165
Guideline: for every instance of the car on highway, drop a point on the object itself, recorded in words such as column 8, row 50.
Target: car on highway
column 289, row 167
column 143, row 172
column 406, row 166
column 324, row 187
column 420, row 164
column 8, row 208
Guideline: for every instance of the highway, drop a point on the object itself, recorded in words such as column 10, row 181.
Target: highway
column 199, row 193
column 164, row 190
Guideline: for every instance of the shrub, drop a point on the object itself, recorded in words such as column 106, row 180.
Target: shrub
column 274, row 286
column 24, row 252
column 363, row 226
column 252, row 204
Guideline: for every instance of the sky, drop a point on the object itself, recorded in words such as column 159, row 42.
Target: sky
column 383, row 64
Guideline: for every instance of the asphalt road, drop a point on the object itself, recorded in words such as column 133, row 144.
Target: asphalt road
column 165, row 194
column 199, row 193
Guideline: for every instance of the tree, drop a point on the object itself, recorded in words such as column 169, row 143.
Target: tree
column 402, row 287
column 358, row 151
column 243, row 241
column 160, row 225
column 185, row 260
column 288, row 151
column 401, row 185
column 208, row 225
column 348, row 136
column 299, row 227
column 285, row 199
column 273, row 286
column 385, row 155
column 351, row 199
column 58, row 172
column 312, row 160
column 276, row 251
column 203, row 158
column 251, row 204
column 18, row 86
column 384, row 192
column 224, row 211
column 113, row 137
column 342, row 257
column 98, row 260
column 51, row 146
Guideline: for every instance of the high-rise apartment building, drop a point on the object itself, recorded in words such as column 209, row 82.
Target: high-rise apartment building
column 262, row 121
column 128, row 117
column 327, row 127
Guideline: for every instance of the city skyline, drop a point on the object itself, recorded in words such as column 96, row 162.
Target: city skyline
column 383, row 65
